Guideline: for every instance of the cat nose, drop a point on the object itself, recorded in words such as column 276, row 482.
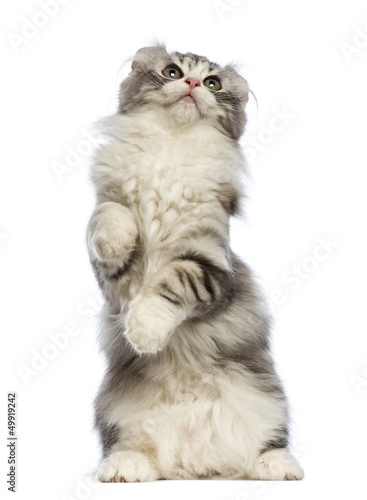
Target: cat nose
column 193, row 82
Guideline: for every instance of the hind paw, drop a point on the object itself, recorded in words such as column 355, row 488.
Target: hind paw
column 277, row 465
column 126, row 467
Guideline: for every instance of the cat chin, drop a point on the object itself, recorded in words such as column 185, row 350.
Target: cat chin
column 185, row 112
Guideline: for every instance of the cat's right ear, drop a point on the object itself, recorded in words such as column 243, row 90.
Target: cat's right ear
column 147, row 57
column 140, row 58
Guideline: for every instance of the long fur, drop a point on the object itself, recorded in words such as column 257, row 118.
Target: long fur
column 190, row 389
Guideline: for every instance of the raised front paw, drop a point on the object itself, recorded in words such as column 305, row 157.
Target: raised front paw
column 150, row 324
column 114, row 231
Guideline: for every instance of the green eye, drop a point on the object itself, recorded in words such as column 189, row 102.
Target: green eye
column 212, row 83
column 172, row 72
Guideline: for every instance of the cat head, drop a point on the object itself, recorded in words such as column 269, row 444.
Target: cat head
column 184, row 89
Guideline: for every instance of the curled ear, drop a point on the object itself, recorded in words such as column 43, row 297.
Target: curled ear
column 244, row 91
column 147, row 56
column 239, row 84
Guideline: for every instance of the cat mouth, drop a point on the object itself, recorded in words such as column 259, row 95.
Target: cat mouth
column 188, row 98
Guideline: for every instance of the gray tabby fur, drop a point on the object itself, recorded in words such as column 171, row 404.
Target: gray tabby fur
column 163, row 253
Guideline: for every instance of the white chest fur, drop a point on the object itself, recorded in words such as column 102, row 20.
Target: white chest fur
column 168, row 179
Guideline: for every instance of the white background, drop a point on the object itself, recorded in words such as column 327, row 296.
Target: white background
column 308, row 185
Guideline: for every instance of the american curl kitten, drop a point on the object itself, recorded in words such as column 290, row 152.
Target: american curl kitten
column 190, row 390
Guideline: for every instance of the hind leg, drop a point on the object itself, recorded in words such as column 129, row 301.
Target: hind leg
column 276, row 465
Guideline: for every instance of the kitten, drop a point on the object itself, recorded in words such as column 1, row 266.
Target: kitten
column 190, row 389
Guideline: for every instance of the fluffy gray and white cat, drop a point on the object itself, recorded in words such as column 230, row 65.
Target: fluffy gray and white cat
column 190, row 389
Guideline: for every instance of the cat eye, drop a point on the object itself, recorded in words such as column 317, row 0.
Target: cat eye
column 212, row 83
column 172, row 72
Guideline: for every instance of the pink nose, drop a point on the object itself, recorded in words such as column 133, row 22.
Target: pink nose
column 193, row 82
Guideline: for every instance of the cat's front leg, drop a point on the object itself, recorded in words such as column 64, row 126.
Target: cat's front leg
column 112, row 233
column 191, row 286
column 152, row 320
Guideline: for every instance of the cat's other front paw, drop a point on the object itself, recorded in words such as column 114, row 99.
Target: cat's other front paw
column 149, row 324
column 115, row 232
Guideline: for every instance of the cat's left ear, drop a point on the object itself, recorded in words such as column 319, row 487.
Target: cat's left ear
column 238, row 84
column 244, row 90
column 147, row 57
